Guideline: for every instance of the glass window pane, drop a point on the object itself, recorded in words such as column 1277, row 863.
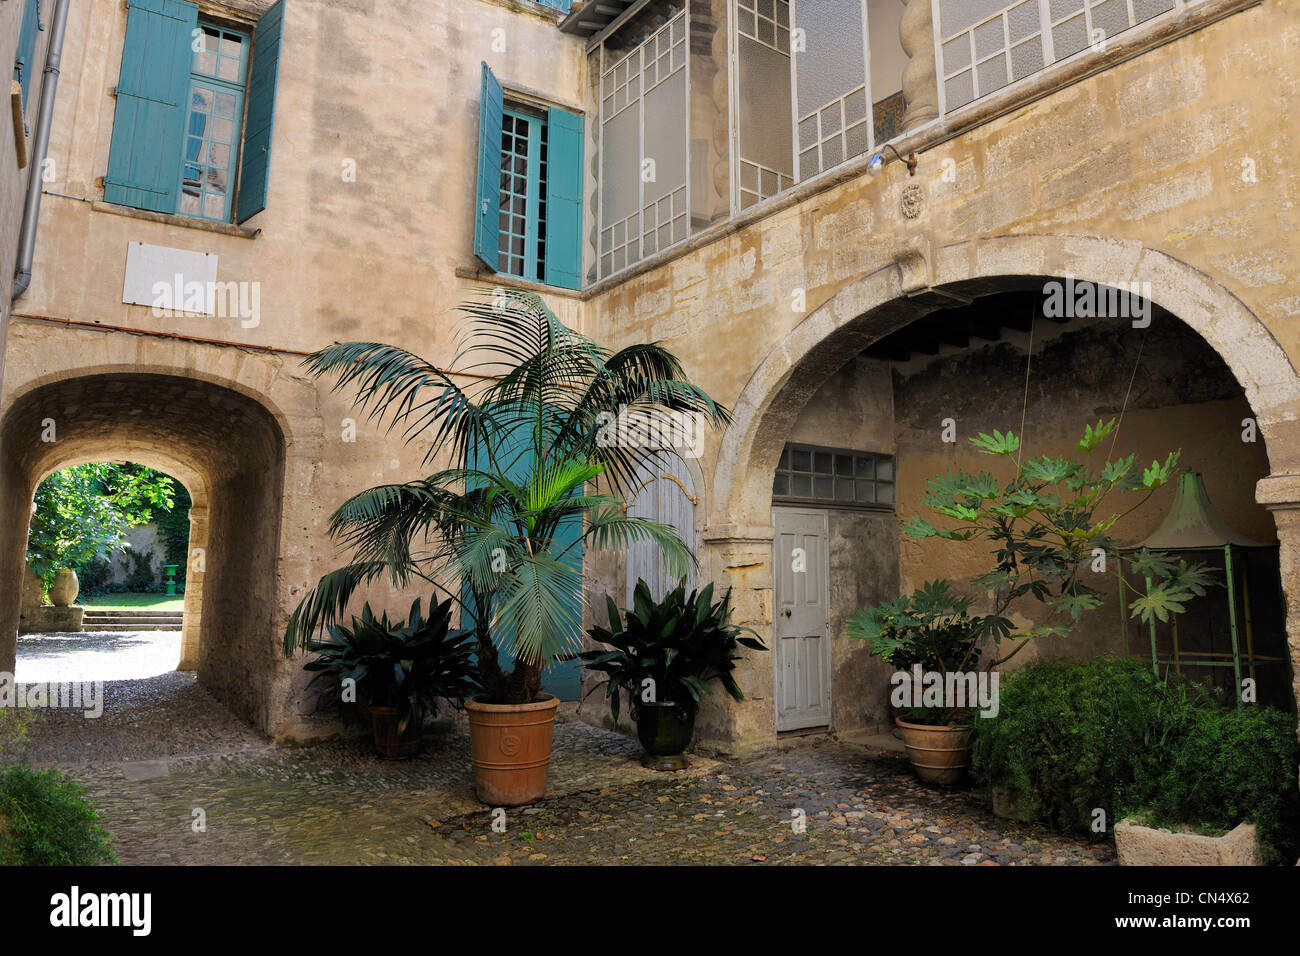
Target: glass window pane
column 781, row 485
column 822, row 463
column 802, row 460
column 885, row 469
column 802, row 485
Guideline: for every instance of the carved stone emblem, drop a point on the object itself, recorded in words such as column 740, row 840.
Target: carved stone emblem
column 913, row 201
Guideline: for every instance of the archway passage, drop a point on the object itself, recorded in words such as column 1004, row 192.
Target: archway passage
column 116, row 534
column 226, row 448
column 836, row 342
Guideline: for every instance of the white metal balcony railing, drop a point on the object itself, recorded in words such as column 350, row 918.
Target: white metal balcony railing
column 984, row 45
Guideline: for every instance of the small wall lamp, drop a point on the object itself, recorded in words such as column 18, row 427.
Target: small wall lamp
column 877, row 161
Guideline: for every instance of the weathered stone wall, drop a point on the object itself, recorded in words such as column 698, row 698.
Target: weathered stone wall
column 1170, row 168
column 389, row 90
column 1173, row 167
column 13, row 180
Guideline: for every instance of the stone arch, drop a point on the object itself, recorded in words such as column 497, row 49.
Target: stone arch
column 923, row 279
column 891, row 297
column 244, row 437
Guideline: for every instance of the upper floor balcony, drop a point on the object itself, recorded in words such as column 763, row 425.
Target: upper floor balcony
column 705, row 112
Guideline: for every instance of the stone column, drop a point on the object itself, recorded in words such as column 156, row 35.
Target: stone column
column 1280, row 494
column 741, row 559
column 920, row 81
column 194, row 569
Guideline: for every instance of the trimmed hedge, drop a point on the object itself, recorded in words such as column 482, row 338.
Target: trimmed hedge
column 45, row 820
column 1072, row 736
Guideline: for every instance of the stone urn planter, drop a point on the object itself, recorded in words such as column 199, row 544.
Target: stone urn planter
column 1139, row 845
column 939, row 755
column 65, row 587
column 510, row 745
column 665, row 730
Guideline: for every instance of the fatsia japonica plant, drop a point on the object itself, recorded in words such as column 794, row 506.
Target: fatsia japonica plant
column 1048, row 521
column 531, row 477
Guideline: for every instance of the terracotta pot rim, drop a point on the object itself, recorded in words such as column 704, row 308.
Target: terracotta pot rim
column 544, row 702
column 938, row 728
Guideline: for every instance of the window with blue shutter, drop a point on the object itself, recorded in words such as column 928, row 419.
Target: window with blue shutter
column 528, row 204
column 191, row 96
column 564, row 200
column 487, row 200
column 254, row 170
column 25, row 57
column 144, row 162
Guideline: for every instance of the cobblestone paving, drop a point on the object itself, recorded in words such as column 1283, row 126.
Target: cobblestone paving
column 336, row 803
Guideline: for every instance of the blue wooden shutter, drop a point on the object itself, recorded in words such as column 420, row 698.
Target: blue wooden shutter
column 144, row 161
column 487, row 205
column 564, row 200
column 263, row 77
column 25, row 58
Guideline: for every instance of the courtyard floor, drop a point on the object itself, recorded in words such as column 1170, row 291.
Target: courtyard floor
column 166, row 757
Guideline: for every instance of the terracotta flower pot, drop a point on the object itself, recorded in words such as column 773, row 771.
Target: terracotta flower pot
column 511, row 748
column 65, row 587
column 939, row 755
column 390, row 744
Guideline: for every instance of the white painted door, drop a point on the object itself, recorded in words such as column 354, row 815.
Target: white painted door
column 802, row 652
column 665, row 494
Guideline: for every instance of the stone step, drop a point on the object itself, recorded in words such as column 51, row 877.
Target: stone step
column 134, row 619
column 92, row 620
column 94, row 627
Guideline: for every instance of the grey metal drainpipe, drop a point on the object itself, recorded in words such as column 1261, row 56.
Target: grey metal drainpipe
column 40, row 145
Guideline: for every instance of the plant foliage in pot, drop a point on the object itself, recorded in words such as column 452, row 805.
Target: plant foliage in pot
column 664, row 655
column 399, row 670
column 932, row 629
column 532, row 476
column 1046, row 521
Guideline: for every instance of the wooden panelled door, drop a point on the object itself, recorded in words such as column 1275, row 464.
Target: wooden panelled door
column 800, row 631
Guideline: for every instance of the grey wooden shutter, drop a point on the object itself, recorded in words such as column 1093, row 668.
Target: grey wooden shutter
column 661, row 499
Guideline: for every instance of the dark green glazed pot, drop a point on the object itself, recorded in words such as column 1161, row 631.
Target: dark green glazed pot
column 665, row 730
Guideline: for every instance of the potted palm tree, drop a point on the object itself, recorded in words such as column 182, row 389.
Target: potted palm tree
column 663, row 655
column 401, row 669
column 532, row 475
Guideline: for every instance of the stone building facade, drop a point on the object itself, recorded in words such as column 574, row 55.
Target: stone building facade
column 1157, row 152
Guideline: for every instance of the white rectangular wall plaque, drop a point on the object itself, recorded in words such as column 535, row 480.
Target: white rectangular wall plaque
column 172, row 280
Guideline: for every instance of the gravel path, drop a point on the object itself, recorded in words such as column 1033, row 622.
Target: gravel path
column 96, row 655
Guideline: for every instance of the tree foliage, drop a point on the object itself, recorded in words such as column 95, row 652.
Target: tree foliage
column 82, row 513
